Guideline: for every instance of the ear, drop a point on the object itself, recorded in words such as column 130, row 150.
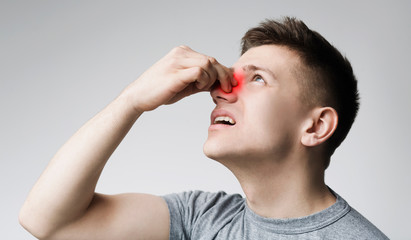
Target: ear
column 319, row 127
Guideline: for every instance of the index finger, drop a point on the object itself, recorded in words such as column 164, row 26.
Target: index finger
column 225, row 77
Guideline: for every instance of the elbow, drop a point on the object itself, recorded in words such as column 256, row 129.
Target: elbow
column 34, row 225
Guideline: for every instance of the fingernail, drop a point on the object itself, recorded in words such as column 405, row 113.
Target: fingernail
column 229, row 88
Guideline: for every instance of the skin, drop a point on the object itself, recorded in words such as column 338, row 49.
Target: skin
column 270, row 148
column 281, row 156
column 63, row 203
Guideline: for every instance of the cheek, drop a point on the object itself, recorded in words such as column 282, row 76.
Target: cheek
column 259, row 116
column 268, row 121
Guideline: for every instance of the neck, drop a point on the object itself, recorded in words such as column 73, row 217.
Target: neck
column 285, row 189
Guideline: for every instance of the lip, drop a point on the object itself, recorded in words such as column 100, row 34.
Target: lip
column 217, row 113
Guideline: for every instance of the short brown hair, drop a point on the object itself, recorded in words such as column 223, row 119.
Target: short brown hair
column 328, row 76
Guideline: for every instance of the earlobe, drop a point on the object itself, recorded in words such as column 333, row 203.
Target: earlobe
column 319, row 127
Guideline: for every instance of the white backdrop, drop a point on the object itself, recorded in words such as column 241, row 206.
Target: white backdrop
column 63, row 61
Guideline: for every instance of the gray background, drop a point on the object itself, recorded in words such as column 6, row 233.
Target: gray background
column 63, row 61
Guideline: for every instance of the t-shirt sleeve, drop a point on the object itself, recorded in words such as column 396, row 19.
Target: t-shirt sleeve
column 191, row 210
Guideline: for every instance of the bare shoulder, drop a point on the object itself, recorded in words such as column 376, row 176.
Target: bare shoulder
column 123, row 216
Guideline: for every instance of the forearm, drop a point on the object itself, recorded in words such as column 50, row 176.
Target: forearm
column 61, row 203
column 66, row 187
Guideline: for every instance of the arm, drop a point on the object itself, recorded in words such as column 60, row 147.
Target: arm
column 63, row 204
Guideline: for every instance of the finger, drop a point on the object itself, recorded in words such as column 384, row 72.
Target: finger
column 184, row 57
column 184, row 51
column 196, row 75
column 209, row 68
column 189, row 90
column 186, row 47
column 224, row 76
column 207, row 64
column 234, row 81
column 215, row 71
column 203, row 80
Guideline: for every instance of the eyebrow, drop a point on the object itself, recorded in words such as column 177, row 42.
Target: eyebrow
column 250, row 67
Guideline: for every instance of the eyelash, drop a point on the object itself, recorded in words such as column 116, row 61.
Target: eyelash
column 258, row 77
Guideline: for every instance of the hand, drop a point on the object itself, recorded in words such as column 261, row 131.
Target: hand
column 180, row 73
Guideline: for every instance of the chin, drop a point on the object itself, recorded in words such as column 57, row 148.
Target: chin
column 215, row 150
column 211, row 150
column 222, row 151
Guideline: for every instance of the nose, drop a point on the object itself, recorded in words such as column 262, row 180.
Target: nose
column 219, row 95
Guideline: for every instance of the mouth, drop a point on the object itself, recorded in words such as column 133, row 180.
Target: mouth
column 224, row 120
column 220, row 117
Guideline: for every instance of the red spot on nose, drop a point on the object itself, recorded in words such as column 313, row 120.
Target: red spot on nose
column 239, row 77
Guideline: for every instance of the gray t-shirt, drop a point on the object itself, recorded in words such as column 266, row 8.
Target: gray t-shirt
column 201, row 215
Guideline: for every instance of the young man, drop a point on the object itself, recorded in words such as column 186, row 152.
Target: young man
column 281, row 111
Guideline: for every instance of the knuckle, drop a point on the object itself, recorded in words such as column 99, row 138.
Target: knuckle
column 206, row 63
column 198, row 72
column 212, row 60
column 178, row 50
column 174, row 50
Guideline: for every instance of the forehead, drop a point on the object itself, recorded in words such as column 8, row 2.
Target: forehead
column 278, row 59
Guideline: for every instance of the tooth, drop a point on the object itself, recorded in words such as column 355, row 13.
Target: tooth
column 219, row 119
column 225, row 119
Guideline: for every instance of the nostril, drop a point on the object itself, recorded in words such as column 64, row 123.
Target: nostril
column 220, row 97
column 217, row 98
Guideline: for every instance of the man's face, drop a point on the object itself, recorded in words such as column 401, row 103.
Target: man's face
column 261, row 118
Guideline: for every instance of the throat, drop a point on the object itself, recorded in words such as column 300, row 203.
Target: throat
column 283, row 192
column 288, row 203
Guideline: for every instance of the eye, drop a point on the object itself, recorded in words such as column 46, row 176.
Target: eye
column 258, row 78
